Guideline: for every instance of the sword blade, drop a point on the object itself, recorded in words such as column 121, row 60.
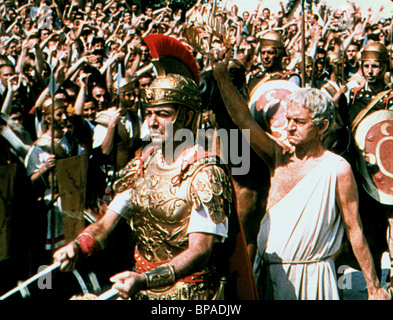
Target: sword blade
column 32, row 279
column 107, row 294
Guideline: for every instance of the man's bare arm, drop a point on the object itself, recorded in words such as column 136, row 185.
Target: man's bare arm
column 262, row 142
column 348, row 202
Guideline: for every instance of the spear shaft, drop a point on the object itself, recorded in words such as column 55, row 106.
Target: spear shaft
column 303, row 47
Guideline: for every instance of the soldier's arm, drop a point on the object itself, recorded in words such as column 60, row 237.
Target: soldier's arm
column 348, row 203
column 184, row 264
column 262, row 142
column 208, row 219
column 93, row 238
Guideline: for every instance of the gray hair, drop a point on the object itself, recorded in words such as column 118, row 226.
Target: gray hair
column 317, row 102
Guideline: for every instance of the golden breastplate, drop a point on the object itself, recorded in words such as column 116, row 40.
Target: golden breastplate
column 160, row 213
column 162, row 198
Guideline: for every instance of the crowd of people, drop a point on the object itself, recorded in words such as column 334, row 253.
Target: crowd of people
column 87, row 80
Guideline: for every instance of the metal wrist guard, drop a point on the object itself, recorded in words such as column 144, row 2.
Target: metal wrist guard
column 161, row 276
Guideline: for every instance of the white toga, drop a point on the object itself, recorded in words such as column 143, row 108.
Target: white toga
column 298, row 237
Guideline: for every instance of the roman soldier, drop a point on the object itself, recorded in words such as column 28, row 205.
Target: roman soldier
column 369, row 117
column 272, row 51
column 177, row 199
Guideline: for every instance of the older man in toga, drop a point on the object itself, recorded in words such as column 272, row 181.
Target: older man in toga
column 312, row 200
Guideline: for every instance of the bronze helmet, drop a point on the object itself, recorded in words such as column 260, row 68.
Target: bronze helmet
column 272, row 39
column 173, row 89
column 177, row 81
column 125, row 86
column 58, row 103
column 375, row 51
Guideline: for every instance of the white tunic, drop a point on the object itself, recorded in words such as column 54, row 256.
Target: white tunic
column 298, row 237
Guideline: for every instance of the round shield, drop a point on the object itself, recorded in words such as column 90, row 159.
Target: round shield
column 374, row 138
column 268, row 106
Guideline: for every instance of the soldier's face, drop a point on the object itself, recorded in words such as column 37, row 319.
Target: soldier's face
column 373, row 71
column 159, row 119
column 268, row 55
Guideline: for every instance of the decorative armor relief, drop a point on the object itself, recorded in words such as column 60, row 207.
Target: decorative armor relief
column 173, row 88
column 161, row 200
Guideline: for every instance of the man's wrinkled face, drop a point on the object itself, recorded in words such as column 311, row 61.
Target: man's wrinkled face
column 301, row 129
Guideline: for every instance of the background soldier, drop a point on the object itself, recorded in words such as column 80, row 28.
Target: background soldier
column 368, row 107
column 272, row 53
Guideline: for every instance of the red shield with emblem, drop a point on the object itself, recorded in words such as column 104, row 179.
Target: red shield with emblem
column 268, row 106
column 374, row 138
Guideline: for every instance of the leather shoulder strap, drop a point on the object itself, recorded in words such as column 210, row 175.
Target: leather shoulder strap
column 366, row 110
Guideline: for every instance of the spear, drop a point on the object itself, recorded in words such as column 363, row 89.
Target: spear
column 32, row 279
column 390, row 55
column 303, row 47
column 343, row 64
column 107, row 294
column 118, row 79
column 212, row 23
column 52, row 91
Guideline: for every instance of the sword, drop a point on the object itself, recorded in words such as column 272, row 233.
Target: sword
column 32, row 279
column 107, row 294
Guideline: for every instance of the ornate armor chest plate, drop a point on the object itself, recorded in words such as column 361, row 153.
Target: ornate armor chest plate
column 162, row 198
column 160, row 212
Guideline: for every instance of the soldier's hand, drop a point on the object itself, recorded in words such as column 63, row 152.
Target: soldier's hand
column 68, row 256
column 128, row 283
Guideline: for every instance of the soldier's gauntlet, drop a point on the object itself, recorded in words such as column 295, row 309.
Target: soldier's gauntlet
column 161, row 276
